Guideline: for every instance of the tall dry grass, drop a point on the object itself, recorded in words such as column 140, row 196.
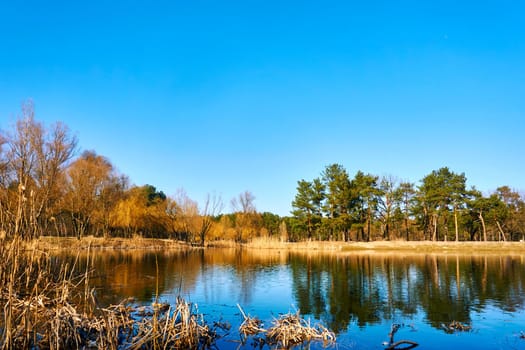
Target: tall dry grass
column 37, row 298
column 276, row 243
column 48, row 243
column 47, row 305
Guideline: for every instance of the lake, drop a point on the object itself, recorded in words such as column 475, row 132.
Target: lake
column 358, row 296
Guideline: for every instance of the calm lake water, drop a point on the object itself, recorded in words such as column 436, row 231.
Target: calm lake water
column 357, row 296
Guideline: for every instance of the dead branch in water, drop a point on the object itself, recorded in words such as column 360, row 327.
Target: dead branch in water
column 395, row 345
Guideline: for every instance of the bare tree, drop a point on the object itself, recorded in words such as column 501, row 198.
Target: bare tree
column 53, row 155
column 244, row 203
column 246, row 217
column 36, row 159
column 184, row 213
column 213, row 205
column 192, row 221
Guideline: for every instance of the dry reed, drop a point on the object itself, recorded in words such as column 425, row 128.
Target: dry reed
column 49, row 243
column 250, row 326
column 47, row 306
column 291, row 329
column 180, row 327
column 286, row 331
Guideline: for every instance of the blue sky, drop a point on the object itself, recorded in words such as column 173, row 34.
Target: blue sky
column 229, row 96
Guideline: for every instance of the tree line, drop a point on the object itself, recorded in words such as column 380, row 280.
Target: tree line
column 335, row 206
column 48, row 187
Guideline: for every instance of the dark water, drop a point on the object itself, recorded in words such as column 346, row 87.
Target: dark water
column 358, row 296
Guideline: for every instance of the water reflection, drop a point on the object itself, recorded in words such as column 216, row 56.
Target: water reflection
column 370, row 289
column 340, row 290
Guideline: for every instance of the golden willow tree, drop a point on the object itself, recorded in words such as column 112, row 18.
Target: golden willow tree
column 142, row 211
column 93, row 189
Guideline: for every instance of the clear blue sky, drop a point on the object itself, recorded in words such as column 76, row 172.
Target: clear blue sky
column 228, row 96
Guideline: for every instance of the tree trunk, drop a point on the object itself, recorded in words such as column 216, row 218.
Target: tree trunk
column 483, row 226
column 368, row 231
column 434, row 227
column 502, row 234
column 406, row 228
column 456, row 224
column 445, row 227
column 369, row 223
column 309, row 226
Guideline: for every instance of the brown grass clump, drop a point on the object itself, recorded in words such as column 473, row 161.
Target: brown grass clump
column 250, row 326
column 286, row 331
column 290, row 329
column 180, row 327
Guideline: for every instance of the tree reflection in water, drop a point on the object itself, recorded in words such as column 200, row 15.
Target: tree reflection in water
column 369, row 289
column 340, row 290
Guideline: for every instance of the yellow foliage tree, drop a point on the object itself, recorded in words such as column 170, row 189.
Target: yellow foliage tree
column 142, row 211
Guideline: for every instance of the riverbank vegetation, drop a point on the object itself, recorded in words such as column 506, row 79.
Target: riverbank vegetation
column 49, row 304
column 48, row 187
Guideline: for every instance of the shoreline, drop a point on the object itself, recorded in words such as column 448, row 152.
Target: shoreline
column 50, row 243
